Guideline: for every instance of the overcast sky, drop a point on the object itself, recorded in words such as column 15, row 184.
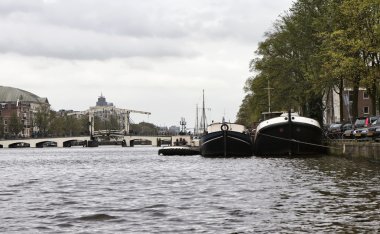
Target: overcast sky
column 146, row 55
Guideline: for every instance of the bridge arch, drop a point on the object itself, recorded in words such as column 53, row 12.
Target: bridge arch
column 19, row 144
column 74, row 142
column 140, row 141
column 44, row 144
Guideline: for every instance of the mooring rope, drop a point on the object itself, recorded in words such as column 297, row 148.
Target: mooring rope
column 300, row 142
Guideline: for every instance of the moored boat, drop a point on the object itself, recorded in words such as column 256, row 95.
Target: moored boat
column 183, row 150
column 288, row 135
column 226, row 140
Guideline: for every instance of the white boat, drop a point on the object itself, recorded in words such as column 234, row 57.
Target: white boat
column 288, row 134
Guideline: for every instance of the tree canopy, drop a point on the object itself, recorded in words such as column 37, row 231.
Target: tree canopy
column 315, row 47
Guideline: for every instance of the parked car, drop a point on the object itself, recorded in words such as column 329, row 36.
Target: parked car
column 374, row 130
column 360, row 127
column 348, row 132
column 371, row 120
column 334, row 131
column 347, row 126
column 360, row 122
column 337, row 130
column 362, row 132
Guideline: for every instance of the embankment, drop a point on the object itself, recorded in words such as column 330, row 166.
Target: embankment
column 355, row 149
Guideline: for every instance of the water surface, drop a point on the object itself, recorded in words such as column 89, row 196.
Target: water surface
column 133, row 190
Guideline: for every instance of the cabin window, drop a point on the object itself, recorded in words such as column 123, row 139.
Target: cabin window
column 366, row 110
column 365, row 95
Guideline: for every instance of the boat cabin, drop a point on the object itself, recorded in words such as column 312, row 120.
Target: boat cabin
column 269, row 115
column 215, row 127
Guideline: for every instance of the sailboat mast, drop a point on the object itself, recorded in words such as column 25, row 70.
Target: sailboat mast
column 196, row 129
column 203, row 118
column 269, row 88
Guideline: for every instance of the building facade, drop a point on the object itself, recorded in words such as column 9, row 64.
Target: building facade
column 364, row 104
column 332, row 104
column 18, row 109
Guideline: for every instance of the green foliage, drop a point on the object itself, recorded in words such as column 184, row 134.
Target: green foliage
column 143, row 128
column 57, row 126
column 68, row 126
column 1, row 127
column 15, row 125
column 42, row 119
column 317, row 46
column 107, row 124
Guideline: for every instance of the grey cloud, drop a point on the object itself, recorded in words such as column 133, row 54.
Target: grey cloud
column 133, row 18
column 12, row 6
column 101, row 29
column 38, row 40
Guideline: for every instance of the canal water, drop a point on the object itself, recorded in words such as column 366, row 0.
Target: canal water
column 133, row 190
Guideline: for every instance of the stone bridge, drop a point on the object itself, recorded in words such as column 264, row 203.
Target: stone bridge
column 42, row 142
column 70, row 141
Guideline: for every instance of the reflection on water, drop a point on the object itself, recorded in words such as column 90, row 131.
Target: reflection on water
column 133, row 190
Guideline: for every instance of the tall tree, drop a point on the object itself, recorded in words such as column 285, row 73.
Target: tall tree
column 346, row 48
column 1, row 127
column 15, row 125
column 286, row 60
column 56, row 127
column 42, row 119
column 317, row 47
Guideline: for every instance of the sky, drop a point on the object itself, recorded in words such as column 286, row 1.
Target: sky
column 146, row 55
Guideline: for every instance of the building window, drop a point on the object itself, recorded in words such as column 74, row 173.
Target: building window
column 350, row 96
column 365, row 95
column 5, row 122
column 366, row 110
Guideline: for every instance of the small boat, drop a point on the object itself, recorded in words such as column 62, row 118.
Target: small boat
column 288, row 135
column 183, row 150
column 226, row 140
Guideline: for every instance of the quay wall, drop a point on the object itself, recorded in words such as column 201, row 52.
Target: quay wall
column 355, row 149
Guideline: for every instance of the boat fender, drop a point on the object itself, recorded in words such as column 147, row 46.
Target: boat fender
column 224, row 127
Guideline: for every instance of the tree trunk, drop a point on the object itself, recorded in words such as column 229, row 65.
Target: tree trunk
column 372, row 96
column 355, row 96
column 341, row 100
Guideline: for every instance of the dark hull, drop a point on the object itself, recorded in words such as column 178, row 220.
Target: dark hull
column 178, row 150
column 226, row 144
column 288, row 139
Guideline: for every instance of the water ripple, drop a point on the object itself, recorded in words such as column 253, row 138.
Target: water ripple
column 96, row 217
column 132, row 190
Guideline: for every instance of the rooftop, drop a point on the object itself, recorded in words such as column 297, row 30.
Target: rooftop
column 10, row 94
